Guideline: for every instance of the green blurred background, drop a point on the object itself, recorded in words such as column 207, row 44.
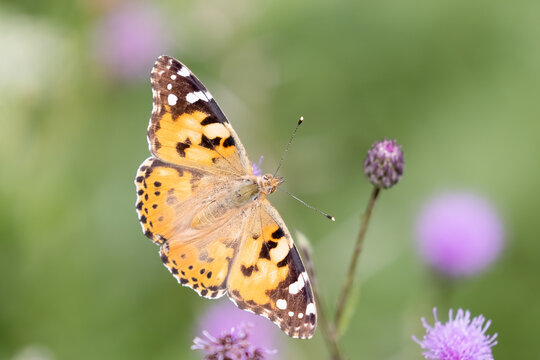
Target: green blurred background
column 455, row 82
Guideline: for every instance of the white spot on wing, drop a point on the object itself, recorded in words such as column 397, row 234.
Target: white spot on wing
column 169, row 86
column 302, row 278
column 300, row 315
column 183, row 71
column 172, row 99
column 191, row 98
column 291, row 314
column 201, row 95
column 281, row 304
column 173, row 77
column 293, row 288
column 298, row 285
column 208, row 95
column 310, row 309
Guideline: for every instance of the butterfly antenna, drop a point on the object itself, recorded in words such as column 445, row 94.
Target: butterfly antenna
column 328, row 216
column 289, row 144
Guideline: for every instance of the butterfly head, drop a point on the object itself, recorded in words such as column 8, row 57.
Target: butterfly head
column 268, row 183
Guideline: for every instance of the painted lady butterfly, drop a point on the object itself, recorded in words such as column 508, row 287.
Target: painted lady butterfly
column 197, row 198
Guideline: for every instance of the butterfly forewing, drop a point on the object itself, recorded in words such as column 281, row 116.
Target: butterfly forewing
column 187, row 127
column 268, row 277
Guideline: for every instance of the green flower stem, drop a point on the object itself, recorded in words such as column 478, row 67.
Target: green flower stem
column 329, row 333
column 345, row 292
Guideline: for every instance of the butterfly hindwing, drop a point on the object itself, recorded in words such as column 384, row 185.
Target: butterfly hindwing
column 161, row 189
column 187, row 126
column 268, row 278
column 201, row 265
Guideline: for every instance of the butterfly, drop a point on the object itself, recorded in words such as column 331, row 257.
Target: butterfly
column 198, row 199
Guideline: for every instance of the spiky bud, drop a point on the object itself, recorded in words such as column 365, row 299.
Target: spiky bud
column 384, row 164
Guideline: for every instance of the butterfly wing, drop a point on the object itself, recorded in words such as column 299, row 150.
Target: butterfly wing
column 197, row 250
column 268, row 278
column 187, row 127
column 203, row 264
column 162, row 188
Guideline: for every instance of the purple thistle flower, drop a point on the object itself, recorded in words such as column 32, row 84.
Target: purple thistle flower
column 384, row 163
column 257, row 167
column 233, row 344
column 222, row 316
column 128, row 38
column 459, row 339
column 459, row 233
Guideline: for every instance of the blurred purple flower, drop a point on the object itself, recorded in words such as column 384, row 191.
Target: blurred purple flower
column 459, row 233
column 384, row 163
column 257, row 167
column 128, row 39
column 459, row 339
column 223, row 316
column 233, row 344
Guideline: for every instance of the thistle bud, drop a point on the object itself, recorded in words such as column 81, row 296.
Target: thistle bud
column 384, row 164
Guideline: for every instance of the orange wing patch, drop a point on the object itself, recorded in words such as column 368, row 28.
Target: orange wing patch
column 268, row 277
column 202, row 268
column 160, row 188
column 184, row 140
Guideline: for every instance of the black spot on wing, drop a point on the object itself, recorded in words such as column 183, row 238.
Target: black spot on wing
column 278, row 234
column 210, row 143
column 271, row 244
column 247, row 271
column 228, row 142
column 182, row 146
column 210, row 120
column 265, row 249
column 264, row 253
column 164, row 258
